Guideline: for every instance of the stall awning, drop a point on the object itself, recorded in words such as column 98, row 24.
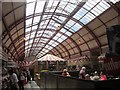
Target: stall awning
column 50, row 57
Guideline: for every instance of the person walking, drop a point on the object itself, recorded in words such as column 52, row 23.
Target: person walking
column 21, row 80
column 13, row 80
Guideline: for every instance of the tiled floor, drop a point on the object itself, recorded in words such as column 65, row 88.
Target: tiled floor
column 31, row 86
column 27, row 86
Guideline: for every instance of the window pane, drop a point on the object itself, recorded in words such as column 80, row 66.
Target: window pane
column 76, row 27
column 63, row 30
column 84, row 21
column 30, row 8
column 80, row 13
column 28, row 22
column 56, row 37
column 69, row 8
column 39, row 6
column 36, row 19
column 34, row 27
column 68, row 33
column 28, row 29
column 70, row 23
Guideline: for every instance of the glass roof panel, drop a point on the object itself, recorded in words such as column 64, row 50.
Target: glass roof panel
column 76, row 27
column 89, row 16
column 104, row 4
column 50, row 3
column 93, row 2
column 50, row 48
column 30, row 41
column 44, row 39
column 56, row 37
column 60, row 19
column 34, row 27
column 80, row 13
column 51, row 42
column 97, row 10
column 39, row 6
column 45, row 35
column 32, row 35
column 101, row 7
column 68, row 33
column 56, row 43
column 58, row 34
column 30, row 8
column 28, row 22
column 56, row 2
column 28, row 29
column 60, row 40
column 27, row 36
column 84, row 20
column 52, row 10
column 53, row 45
column 63, row 30
column 70, row 7
column 72, row 30
column 70, row 23
column 45, row 17
column 36, row 19
column 47, row 46
column 45, row 22
column 63, row 37
column 87, row 6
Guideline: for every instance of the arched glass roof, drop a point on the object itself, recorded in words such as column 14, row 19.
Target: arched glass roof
column 52, row 26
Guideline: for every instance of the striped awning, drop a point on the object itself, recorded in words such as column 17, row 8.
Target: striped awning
column 50, row 57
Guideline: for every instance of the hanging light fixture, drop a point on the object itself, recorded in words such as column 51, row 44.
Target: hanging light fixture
column 58, row 28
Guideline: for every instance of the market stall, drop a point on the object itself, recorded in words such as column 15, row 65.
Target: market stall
column 51, row 62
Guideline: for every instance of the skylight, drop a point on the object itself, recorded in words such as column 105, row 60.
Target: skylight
column 46, row 17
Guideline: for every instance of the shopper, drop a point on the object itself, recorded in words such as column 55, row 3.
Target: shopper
column 65, row 73
column 32, row 73
column 13, row 80
column 87, row 77
column 28, row 75
column 103, row 76
column 21, row 80
column 96, row 76
column 82, row 73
